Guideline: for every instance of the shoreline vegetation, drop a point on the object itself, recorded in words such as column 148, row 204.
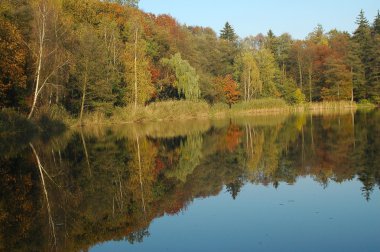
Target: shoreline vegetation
column 185, row 110
column 57, row 119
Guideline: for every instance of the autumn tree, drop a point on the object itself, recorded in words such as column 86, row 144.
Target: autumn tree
column 231, row 90
column 137, row 74
column 47, row 47
column 216, row 90
column 13, row 55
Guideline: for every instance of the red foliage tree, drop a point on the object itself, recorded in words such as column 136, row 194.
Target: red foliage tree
column 231, row 92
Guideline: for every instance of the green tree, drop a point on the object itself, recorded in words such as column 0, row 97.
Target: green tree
column 249, row 76
column 376, row 24
column 228, row 33
column 271, row 42
column 268, row 72
column 338, row 80
column 91, row 73
column 374, row 78
column 187, row 80
column 362, row 37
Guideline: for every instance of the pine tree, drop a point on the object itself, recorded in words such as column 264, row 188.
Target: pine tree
column 376, row 24
column 362, row 36
column 271, row 42
column 357, row 71
column 228, row 33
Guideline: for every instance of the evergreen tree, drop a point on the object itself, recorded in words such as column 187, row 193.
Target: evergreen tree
column 228, row 33
column 271, row 42
column 362, row 36
column 376, row 24
column 357, row 70
column 374, row 78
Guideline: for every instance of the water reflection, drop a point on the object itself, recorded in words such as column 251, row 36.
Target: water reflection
column 93, row 184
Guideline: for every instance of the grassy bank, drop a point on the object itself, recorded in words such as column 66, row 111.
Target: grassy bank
column 53, row 119
column 16, row 130
column 184, row 110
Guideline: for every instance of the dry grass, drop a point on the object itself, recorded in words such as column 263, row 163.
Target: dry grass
column 187, row 110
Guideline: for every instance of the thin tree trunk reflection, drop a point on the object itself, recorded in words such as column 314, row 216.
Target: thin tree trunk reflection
column 140, row 173
column 42, row 170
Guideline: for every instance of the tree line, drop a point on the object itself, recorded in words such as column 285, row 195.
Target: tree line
column 92, row 55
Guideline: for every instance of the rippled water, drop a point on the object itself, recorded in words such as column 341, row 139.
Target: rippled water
column 264, row 183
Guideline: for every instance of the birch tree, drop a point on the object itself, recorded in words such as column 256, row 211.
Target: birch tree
column 45, row 49
column 137, row 74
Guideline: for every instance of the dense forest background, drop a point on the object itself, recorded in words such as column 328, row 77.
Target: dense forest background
column 91, row 55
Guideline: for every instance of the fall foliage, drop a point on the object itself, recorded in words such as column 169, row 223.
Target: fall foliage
column 231, row 91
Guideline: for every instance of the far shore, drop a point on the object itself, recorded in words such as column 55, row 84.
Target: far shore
column 184, row 110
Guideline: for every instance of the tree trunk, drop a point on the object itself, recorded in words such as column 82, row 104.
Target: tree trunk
column 245, row 91
column 83, row 94
column 249, row 82
column 39, row 61
column 136, row 69
column 352, row 86
column 310, row 84
column 300, row 74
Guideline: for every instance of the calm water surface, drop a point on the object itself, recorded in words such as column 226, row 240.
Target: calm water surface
column 266, row 183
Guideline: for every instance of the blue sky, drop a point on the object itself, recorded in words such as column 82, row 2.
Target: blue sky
column 249, row 17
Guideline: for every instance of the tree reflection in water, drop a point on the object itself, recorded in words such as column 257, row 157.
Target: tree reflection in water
column 109, row 184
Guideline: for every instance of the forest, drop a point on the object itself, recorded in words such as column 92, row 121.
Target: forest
column 73, row 58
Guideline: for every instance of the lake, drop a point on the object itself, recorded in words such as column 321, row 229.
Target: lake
column 302, row 182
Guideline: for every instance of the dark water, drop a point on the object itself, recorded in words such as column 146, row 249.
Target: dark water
column 267, row 183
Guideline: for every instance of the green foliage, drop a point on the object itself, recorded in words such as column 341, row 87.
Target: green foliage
column 228, row 33
column 297, row 97
column 249, row 76
column 92, row 72
column 187, row 80
column 190, row 158
column 268, row 71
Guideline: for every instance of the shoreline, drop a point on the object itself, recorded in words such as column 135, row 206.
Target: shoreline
column 143, row 115
column 175, row 111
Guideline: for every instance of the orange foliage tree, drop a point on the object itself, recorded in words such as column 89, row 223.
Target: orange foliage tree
column 231, row 91
column 12, row 61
